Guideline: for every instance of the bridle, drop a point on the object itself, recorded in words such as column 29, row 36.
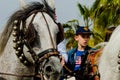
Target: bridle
column 20, row 41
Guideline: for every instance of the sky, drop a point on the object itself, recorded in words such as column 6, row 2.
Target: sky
column 66, row 10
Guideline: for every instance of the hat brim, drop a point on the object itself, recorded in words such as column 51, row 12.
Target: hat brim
column 86, row 33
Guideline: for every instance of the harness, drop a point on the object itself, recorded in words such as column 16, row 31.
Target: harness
column 20, row 41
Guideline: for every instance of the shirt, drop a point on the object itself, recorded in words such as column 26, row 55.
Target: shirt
column 62, row 49
column 78, row 59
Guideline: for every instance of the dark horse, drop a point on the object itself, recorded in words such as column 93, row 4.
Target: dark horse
column 28, row 45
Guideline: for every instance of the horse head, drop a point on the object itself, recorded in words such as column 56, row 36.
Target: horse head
column 34, row 36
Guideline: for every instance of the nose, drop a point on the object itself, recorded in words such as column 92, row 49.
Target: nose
column 49, row 69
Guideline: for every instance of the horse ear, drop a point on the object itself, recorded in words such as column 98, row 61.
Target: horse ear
column 22, row 4
column 51, row 4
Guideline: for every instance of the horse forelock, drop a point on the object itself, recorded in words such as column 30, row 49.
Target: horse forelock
column 31, row 36
column 49, row 10
column 22, row 15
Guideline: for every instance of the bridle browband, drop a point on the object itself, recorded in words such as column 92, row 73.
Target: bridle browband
column 20, row 42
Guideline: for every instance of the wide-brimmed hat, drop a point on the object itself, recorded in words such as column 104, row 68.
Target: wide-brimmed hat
column 83, row 30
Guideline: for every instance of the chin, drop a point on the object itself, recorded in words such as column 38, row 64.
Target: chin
column 84, row 45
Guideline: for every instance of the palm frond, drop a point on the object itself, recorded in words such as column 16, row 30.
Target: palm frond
column 81, row 9
column 95, row 5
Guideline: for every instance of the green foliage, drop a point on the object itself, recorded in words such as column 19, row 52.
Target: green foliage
column 85, row 12
column 70, row 28
column 69, row 33
column 102, row 14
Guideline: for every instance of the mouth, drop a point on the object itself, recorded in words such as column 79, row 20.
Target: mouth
column 85, row 43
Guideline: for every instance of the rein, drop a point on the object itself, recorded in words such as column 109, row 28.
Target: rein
column 22, row 75
column 26, row 75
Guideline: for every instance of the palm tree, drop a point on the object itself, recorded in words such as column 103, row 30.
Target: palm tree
column 85, row 12
column 70, row 28
column 104, row 14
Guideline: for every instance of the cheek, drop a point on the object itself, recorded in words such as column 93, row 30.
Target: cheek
column 79, row 39
column 76, row 39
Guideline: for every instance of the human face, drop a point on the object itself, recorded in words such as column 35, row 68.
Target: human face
column 82, row 39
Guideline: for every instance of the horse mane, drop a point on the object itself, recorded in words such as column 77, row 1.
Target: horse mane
column 22, row 15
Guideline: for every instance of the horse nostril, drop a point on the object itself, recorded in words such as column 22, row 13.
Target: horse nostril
column 48, row 69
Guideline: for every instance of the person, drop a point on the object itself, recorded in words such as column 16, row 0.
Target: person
column 78, row 55
column 61, row 41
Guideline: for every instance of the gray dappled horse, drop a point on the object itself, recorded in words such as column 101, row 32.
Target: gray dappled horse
column 28, row 45
column 109, row 63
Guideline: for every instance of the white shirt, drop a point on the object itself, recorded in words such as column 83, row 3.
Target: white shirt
column 62, row 49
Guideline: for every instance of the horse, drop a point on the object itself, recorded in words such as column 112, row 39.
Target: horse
column 109, row 63
column 95, row 58
column 92, row 62
column 28, row 45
